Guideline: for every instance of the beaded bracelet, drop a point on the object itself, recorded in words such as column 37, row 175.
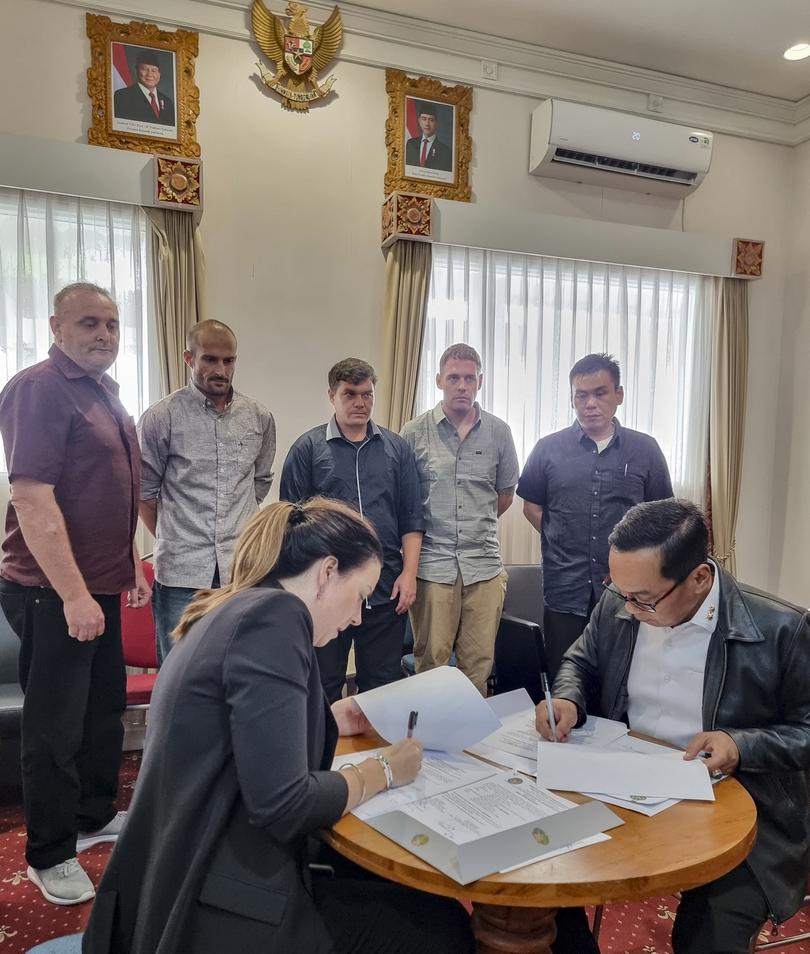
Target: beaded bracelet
column 386, row 767
column 359, row 774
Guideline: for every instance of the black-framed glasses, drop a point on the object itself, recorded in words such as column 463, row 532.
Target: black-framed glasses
column 647, row 607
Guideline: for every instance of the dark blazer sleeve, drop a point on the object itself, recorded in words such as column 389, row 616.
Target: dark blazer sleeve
column 296, row 475
column 266, row 675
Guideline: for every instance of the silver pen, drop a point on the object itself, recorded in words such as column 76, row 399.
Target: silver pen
column 550, row 708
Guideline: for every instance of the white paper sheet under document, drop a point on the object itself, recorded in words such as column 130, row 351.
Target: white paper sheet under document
column 452, row 712
column 440, row 772
column 583, row 768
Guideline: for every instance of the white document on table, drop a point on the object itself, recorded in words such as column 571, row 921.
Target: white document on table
column 440, row 772
column 612, row 772
column 497, row 823
column 514, row 744
column 452, row 712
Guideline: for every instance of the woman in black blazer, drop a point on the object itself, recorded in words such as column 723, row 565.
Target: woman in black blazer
column 214, row 856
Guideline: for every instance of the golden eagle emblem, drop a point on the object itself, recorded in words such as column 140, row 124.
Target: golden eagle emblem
column 299, row 52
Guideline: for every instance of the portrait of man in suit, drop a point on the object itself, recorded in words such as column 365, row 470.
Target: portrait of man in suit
column 146, row 100
column 428, row 152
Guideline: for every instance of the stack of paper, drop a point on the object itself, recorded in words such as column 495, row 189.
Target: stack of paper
column 620, row 773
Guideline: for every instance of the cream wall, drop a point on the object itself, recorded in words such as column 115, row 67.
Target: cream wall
column 791, row 518
column 292, row 219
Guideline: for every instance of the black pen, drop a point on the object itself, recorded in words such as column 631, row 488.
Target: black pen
column 412, row 723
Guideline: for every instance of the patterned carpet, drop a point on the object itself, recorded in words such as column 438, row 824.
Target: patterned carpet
column 27, row 919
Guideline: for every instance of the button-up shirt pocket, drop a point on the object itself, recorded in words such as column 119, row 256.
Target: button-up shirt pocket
column 248, row 443
column 475, row 466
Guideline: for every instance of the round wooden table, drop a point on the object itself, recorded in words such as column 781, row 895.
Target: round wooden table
column 685, row 846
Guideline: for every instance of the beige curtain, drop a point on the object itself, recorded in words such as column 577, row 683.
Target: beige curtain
column 407, row 286
column 727, row 415
column 178, row 266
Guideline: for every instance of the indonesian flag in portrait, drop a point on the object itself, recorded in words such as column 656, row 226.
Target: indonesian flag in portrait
column 411, row 121
column 121, row 75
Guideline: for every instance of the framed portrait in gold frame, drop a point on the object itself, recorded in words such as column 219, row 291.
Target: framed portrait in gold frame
column 141, row 86
column 427, row 135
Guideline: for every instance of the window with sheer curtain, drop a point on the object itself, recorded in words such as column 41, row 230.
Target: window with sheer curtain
column 48, row 241
column 531, row 317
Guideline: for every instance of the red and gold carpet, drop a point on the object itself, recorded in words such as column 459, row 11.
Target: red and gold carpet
column 27, row 919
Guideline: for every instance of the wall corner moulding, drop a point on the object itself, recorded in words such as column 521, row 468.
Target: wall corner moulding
column 406, row 215
column 390, row 40
column 748, row 258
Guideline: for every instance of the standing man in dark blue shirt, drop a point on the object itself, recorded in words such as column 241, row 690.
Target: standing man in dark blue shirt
column 576, row 486
column 353, row 459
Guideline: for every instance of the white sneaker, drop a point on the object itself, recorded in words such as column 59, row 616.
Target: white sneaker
column 109, row 832
column 65, row 883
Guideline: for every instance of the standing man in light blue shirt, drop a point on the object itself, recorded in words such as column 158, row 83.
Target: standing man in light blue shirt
column 468, row 469
column 207, row 464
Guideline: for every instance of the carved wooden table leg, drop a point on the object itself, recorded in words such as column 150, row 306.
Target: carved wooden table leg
column 502, row 930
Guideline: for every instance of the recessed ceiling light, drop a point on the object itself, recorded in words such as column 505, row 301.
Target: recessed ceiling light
column 797, row 52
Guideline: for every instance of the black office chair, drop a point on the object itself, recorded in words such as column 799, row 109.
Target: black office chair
column 519, row 648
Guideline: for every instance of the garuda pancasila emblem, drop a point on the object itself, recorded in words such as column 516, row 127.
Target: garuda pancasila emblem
column 299, row 52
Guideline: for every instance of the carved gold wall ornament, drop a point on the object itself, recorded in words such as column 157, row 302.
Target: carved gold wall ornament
column 141, row 86
column 748, row 258
column 178, row 182
column 427, row 135
column 299, row 53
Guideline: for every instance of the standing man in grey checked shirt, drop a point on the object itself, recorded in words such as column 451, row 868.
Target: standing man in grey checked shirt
column 468, row 469
column 207, row 458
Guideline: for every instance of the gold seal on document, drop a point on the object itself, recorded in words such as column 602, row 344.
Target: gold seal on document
column 419, row 840
column 540, row 836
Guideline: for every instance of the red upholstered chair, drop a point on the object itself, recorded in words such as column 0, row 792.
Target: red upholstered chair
column 140, row 652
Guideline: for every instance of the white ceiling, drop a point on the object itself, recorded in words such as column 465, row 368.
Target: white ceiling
column 736, row 43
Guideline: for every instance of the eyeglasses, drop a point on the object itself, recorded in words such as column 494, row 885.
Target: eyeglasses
column 647, row 607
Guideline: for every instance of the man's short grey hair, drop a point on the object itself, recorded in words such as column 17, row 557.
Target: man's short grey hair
column 76, row 288
column 208, row 327
column 460, row 352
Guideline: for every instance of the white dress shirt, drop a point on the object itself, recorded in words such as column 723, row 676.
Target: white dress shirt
column 665, row 684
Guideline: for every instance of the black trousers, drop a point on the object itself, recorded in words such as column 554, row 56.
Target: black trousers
column 377, row 651
column 560, row 632
column 720, row 917
column 75, row 693
column 365, row 914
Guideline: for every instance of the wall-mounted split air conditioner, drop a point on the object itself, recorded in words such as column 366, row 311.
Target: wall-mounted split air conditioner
column 617, row 150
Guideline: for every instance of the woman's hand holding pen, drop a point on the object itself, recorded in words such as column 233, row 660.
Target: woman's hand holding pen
column 405, row 759
column 565, row 715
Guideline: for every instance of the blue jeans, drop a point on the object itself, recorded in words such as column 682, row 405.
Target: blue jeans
column 168, row 603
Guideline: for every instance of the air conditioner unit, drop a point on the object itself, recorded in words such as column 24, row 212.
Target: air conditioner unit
column 617, row 150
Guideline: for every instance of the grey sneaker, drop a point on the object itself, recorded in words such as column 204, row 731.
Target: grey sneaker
column 65, row 883
column 109, row 832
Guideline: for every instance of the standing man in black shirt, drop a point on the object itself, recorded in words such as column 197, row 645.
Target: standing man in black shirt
column 576, row 486
column 353, row 459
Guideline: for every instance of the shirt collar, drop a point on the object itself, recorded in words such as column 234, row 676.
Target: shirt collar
column 333, row 431
column 580, row 435
column 206, row 401
column 148, row 92
column 71, row 370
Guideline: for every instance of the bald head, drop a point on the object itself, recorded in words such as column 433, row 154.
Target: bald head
column 209, row 330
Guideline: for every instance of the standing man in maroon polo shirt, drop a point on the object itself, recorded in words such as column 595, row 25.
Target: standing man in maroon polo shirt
column 74, row 467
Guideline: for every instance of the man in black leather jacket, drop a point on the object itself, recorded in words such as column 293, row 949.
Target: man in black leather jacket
column 679, row 649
